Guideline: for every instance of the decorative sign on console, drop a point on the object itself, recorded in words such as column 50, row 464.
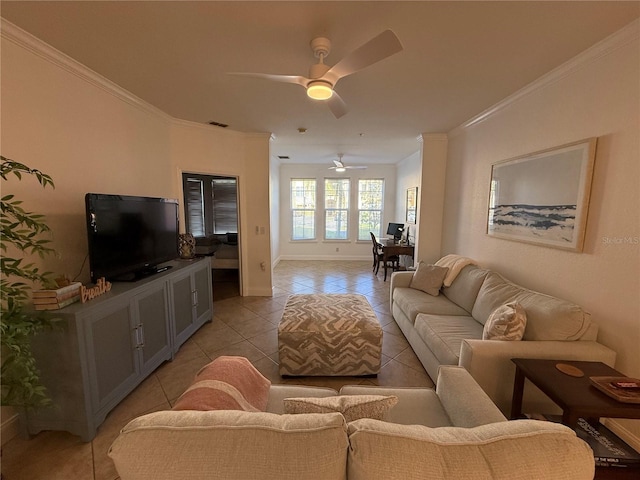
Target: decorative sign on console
column 102, row 287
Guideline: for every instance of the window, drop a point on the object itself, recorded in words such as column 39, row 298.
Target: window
column 211, row 204
column 370, row 204
column 303, row 209
column 336, row 208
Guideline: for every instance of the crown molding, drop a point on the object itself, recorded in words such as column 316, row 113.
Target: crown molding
column 45, row 51
column 33, row 44
column 619, row 39
column 432, row 137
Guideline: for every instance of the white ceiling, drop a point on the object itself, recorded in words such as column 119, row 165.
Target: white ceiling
column 459, row 59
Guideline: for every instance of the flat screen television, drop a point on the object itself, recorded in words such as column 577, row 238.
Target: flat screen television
column 395, row 229
column 129, row 237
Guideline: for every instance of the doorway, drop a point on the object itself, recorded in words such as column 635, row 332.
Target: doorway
column 212, row 217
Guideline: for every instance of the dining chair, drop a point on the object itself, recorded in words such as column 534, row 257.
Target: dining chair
column 378, row 256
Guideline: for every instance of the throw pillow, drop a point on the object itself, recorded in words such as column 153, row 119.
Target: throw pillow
column 352, row 407
column 428, row 278
column 227, row 383
column 507, row 322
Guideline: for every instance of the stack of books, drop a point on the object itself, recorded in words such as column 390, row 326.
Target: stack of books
column 609, row 450
column 58, row 298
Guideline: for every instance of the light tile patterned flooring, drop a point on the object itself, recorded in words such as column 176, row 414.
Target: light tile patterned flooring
column 245, row 326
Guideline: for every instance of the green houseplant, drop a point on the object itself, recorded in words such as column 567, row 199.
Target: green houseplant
column 23, row 235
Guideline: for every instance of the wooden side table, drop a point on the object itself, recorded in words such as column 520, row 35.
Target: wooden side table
column 577, row 398
column 574, row 395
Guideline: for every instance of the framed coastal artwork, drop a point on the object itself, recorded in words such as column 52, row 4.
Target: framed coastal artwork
column 543, row 197
column 412, row 204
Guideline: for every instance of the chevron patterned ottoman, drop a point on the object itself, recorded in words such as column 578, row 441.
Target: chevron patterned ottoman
column 329, row 335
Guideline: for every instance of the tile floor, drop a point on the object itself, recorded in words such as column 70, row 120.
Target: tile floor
column 245, row 326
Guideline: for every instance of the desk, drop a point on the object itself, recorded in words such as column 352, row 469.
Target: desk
column 391, row 249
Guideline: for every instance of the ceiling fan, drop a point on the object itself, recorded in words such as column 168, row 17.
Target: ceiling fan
column 340, row 167
column 323, row 78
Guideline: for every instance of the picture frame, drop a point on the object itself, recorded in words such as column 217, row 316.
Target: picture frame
column 543, row 197
column 412, row 204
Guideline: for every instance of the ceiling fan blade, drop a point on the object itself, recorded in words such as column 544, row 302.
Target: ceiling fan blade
column 376, row 49
column 296, row 79
column 357, row 167
column 337, row 105
column 338, row 164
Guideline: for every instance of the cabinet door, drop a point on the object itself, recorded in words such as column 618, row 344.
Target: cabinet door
column 152, row 328
column 183, row 299
column 112, row 357
column 204, row 294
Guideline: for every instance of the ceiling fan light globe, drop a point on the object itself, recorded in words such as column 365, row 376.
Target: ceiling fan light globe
column 319, row 90
column 341, row 169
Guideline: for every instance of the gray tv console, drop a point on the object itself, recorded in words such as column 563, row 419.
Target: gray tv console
column 110, row 344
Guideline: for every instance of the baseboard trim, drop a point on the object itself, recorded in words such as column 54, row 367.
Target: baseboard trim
column 616, row 427
column 259, row 292
column 326, row 257
column 10, row 429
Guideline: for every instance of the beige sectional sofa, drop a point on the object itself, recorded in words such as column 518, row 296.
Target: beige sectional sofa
column 447, row 330
column 452, row 432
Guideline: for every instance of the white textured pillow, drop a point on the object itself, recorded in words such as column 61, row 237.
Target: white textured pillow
column 352, row 407
column 507, row 322
column 428, row 278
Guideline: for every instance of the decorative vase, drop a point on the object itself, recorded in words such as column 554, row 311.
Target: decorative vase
column 186, row 245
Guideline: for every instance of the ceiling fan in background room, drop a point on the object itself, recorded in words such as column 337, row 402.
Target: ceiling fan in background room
column 340, row 167
column 323, row 78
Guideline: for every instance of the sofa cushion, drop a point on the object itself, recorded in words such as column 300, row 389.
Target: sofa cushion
column 428, row 278
column 507, row 322
column 416, row 405
column 494, row 292
column 464, row 289
column 227, row 383
column 501, row 451
column 412, row 302
column 352, row 407
column 443, row 334
column 548, row 318
column 232, row 445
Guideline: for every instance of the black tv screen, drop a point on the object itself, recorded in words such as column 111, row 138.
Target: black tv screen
column 130, row 236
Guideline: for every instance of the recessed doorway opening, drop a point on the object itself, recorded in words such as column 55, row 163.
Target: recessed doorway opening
column 212, row 217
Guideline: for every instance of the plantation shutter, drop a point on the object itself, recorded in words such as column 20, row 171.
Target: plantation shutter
column 225, row 206
column 194, row 195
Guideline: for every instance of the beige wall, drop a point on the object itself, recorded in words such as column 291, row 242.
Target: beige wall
column 85, row 138
column 92, row 136
column 431, row 204
column 274, row 208
column 599, row 96
column 409, row 175
column 210, row 150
